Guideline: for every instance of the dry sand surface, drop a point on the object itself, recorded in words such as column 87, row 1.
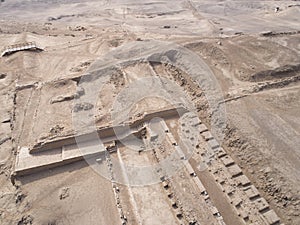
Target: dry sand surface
column 229, row 153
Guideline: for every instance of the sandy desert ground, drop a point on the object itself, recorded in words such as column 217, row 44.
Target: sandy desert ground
column 150, row 112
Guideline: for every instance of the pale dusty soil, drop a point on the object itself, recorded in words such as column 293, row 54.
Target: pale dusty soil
column 86, row 200
column 258, row 75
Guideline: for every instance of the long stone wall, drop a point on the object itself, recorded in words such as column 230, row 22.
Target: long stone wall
column 105, row 132
column 64, row 150
column 19, row 47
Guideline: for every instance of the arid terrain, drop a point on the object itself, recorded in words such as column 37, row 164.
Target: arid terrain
column 149, row 112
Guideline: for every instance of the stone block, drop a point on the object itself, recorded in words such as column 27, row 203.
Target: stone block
column 261, row 204
column 252, row 192
column 242, row 180
column 202, row 128
column 207, row 135
column 221, row 153
column 271, row 217
column 227, row 161
column 213, row 143
column 234, row 170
